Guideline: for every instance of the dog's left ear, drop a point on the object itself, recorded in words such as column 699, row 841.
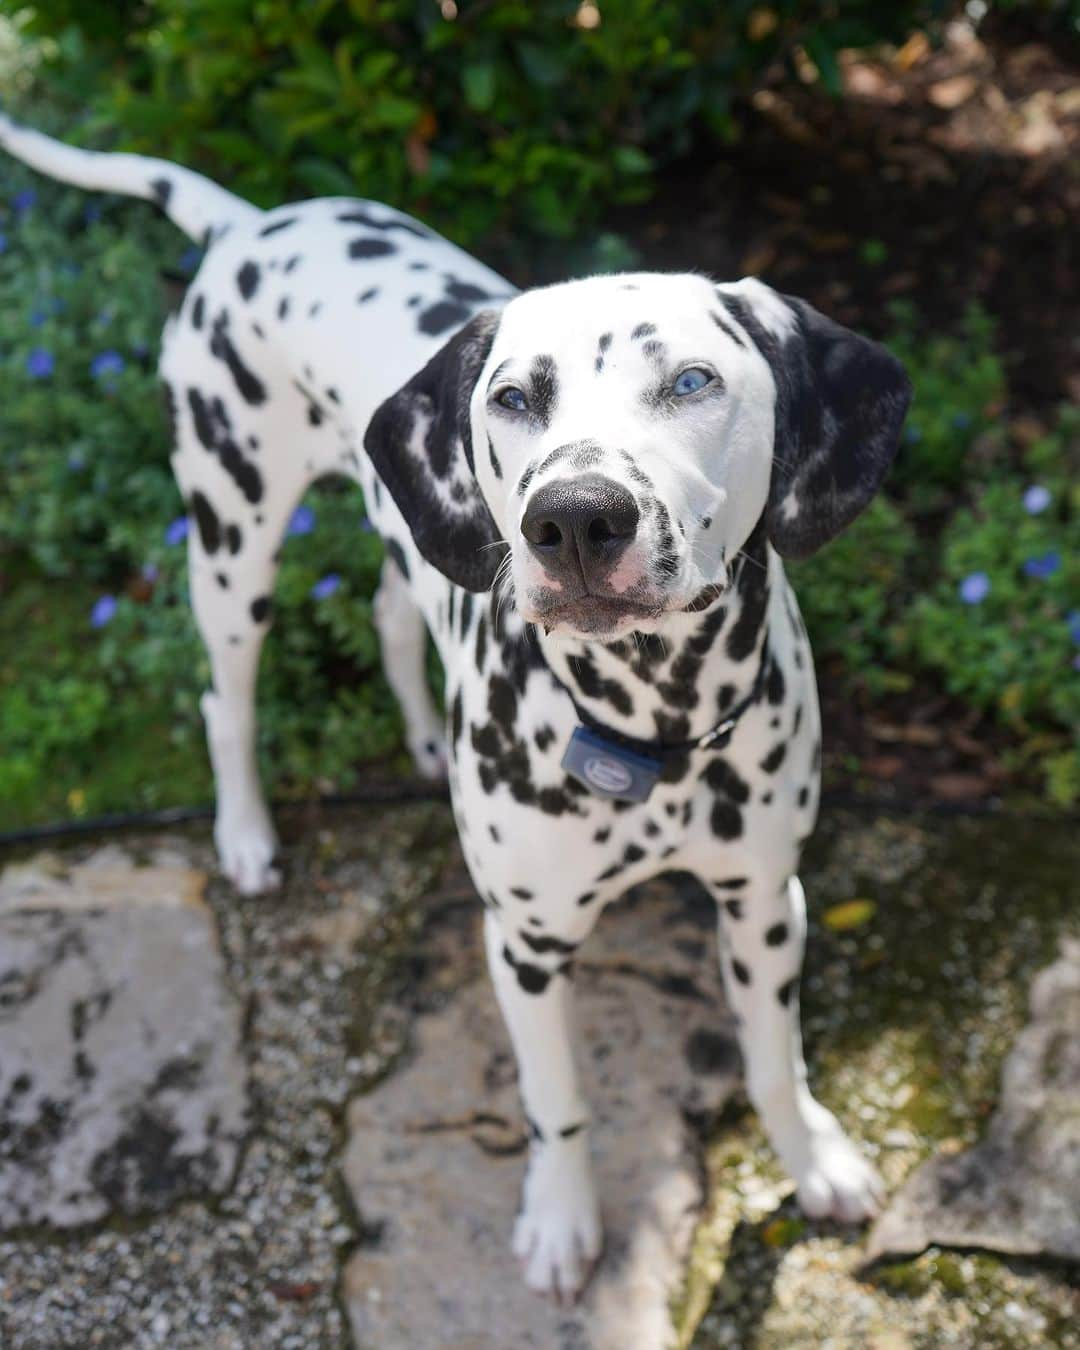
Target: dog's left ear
column 840, row 404
column 420, row 441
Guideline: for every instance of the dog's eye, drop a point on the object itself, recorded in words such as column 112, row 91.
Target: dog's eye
column 512, row 398
column 689, row 381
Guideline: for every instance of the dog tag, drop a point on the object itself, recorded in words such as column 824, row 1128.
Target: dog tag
column 610, row 769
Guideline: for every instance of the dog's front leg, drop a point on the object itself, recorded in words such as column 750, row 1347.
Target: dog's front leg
column 763, row 930
column 557, row 1235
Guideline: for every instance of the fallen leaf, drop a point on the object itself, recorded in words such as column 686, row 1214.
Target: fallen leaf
column 783, row 1232
column 849, row 914
column 294, row 1293
column 950, row 93
column 883, row 767
column 956, row 787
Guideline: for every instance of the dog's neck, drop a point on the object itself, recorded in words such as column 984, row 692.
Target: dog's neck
column 680, row 682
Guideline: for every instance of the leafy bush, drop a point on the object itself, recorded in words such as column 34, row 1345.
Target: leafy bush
column 850, row 592
column 528, row 117
column 959, row 396
column 1002, row 625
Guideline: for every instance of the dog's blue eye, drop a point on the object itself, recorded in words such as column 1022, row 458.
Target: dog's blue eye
column 513, row 399
column 690, row 381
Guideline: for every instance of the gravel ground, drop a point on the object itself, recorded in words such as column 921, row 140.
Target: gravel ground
column 908, row 1015
column 261, row 1267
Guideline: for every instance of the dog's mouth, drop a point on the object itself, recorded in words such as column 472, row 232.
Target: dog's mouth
column 590, row 615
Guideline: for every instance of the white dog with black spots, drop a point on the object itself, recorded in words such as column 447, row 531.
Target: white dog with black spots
column 585, row 492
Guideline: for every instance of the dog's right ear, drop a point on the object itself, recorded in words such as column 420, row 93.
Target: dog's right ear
column 420, row 441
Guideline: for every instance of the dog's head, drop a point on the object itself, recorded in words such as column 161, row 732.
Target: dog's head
column 622, row 436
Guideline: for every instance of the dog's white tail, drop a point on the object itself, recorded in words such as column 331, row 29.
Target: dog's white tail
column 198, row 206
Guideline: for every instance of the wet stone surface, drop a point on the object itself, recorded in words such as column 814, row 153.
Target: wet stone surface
column 349, row 981
column 122, row 1085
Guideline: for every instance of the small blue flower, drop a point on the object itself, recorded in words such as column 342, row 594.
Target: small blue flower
column 103, row 611
column 1072, row 620
column 975, row 588
column 190, row 259
column 302, row 522
column 177, row 531
column 323, row 589
column 92, row 214
column 961, row 421
column 3, row 243
column 107, row 363
column 1043, row 566
column 37, row 318
column 40, row 364
column 76, row 461
column 1036, row 499
column 23, row 201
column 150, row 572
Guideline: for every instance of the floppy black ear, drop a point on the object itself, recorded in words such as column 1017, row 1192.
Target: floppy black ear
column 421, row 445
column 840, row 404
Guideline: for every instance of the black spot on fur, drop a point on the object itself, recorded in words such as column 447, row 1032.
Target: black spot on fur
column 397, row 553
column 496, row 467
column 162, row 190
column 587, row 898
column 442, row 316
column 276, row 227
column 247, row 279
column 734, row 908
column 198, row 309
column 369, row 294
column 206, row 522
column 358, row 216
column 740, row 970
column 250, row 387
column 774, row 758
column 786, row 990
column 777, row 935
column 533, row 979
column 361, row 249
column 260, row 608
column 643, row 330
column 543, row 945
column 457, row 718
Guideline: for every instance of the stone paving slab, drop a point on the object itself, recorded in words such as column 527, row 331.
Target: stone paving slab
column 122, row 1082
column 436, row 1153
column 1018, row 1189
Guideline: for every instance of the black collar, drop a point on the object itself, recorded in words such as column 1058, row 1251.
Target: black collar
column 715, row 739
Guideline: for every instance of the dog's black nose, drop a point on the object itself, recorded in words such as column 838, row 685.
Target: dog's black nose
column 579, row 526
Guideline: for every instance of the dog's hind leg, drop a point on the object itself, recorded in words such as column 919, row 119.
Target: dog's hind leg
column 232, row 609
column 403, row 642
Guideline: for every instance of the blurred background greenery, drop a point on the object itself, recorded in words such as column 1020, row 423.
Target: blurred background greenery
column 840, row 150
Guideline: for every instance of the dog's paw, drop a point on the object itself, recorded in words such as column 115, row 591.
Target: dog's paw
column 429, row 755
column 246, row 850
column 558, row 1235
column 837, row 1181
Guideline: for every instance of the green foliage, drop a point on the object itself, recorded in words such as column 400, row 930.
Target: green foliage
column 959, row 393
column 528, row 118
column 850, row 591
column 1015, row 650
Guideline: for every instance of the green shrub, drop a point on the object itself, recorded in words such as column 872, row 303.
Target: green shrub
column 850, row 592
column 526, row 116
column 1002, row 625
column 959, row 396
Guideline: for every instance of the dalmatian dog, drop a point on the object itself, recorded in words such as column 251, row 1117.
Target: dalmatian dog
column 585, row 492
